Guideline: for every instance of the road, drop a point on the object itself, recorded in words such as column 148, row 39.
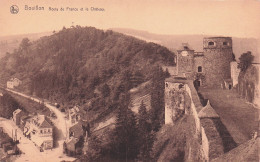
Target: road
column 31, row 152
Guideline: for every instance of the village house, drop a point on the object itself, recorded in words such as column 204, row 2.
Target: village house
column 17, row 114
column 40, row 131
column 74, row 115
column 76, row 131
column 74, row 143
column 14, row 82
column 71, row 146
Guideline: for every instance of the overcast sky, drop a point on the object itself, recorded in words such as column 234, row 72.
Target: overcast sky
column 228, row 18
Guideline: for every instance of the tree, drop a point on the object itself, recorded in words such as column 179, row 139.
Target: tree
column 105, row 90
column 145, row 137
column 157, row 99
column 245, row 60
column 25, row 43
column 94, row 148
column 124, row 137
column 8, row 104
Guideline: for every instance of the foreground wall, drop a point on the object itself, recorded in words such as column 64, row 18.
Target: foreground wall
column 181, row 96
column 197, row 142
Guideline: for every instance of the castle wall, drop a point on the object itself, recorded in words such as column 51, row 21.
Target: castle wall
column 234, row 73
column 217, row 58
column 185, row 63
column 198, row 61
column 202, row 137
column 198, row 142
column 171, row 99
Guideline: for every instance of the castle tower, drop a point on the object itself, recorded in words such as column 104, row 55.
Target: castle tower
column 185, row 59
column 217, row 58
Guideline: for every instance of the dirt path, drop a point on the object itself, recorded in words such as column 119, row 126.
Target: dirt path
column 239, row 117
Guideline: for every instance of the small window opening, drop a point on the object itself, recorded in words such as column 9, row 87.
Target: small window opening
column 225, row 43
column 199, row 83
column 166, row 84
column 199, row 69
column 211, row 43
column 181, row 86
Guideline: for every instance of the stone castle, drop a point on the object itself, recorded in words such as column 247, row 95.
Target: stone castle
column 212, row 68
column 209, row 68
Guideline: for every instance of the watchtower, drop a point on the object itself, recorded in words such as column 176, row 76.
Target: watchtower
column 217, row 57
column 185, row 60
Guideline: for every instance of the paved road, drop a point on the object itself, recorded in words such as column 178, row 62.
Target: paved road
column 31, row 152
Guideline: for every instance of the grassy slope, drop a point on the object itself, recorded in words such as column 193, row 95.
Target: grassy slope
column 239, row 117
column 31, row 106
column 245, row 152
column 171, row 141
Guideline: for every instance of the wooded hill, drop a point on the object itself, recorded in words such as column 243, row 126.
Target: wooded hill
column 83, row 65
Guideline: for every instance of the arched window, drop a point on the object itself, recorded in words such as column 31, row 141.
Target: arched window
column 199, row 69
column 225, row 43
column 211, row 43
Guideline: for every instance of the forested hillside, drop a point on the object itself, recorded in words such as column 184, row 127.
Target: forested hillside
column 83, row 65
column 240, row 45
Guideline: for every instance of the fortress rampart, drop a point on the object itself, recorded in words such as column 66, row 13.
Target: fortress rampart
column 198, row 144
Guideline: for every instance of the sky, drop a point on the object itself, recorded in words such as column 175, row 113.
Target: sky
column 240, row 18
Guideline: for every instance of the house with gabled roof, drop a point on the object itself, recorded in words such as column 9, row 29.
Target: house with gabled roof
column 76, row 131
column 40, row 131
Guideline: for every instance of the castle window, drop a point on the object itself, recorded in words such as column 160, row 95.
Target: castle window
column 199, row 69
column 199, row 83
column 225, row 43
column 166, row 84
column 211, row 43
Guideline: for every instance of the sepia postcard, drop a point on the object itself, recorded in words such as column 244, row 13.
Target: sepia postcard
column 129, row 80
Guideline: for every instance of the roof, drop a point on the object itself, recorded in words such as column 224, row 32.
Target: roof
column 39, row 140
column 17, row 111
column 173, row 70
column 208, row 112
column 247, row 151
column 41, row 121
column 74, row 110
column 72, row 141
column 185, row 46
column 215, row 37
column 71, row 144
column 77, row 129
column 176, row 79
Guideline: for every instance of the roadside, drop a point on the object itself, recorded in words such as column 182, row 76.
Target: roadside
column 55, row 154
